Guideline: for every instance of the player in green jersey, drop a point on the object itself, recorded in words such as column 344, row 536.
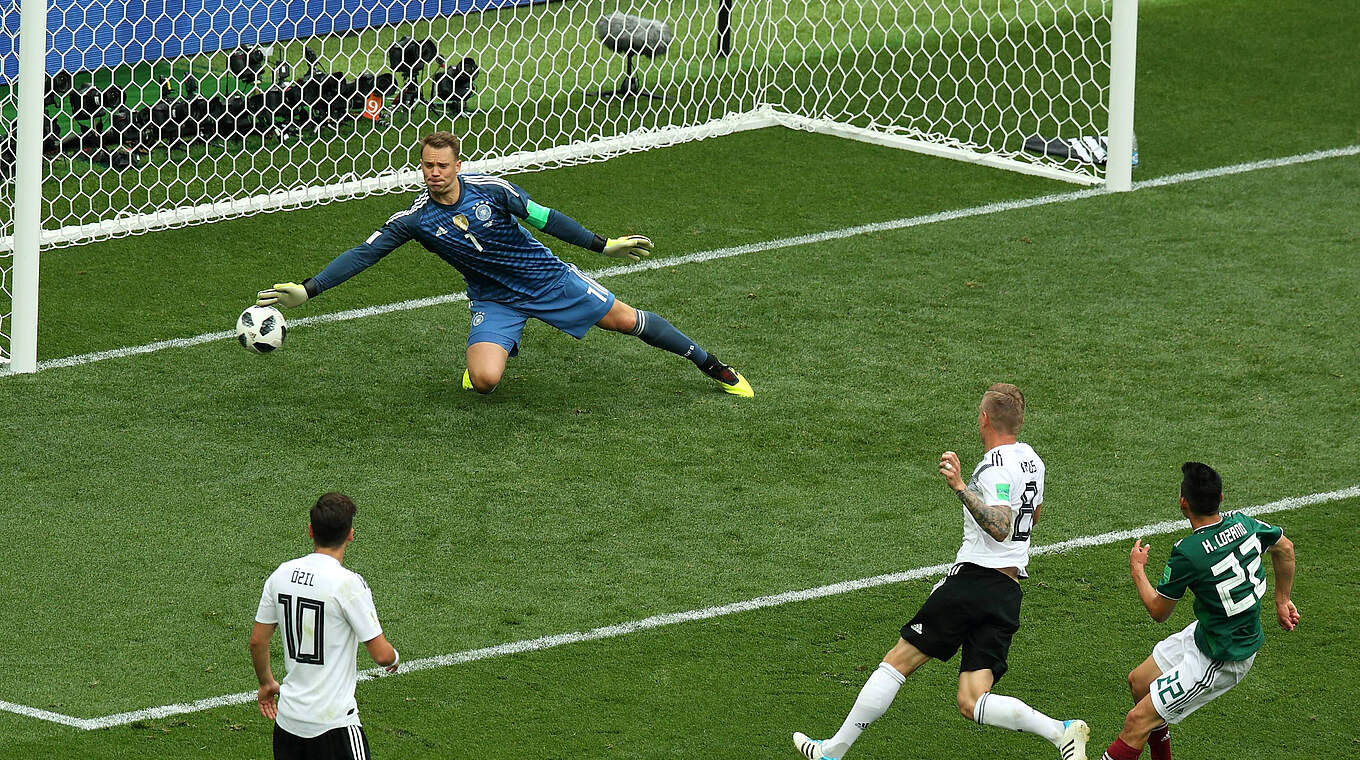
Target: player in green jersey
column 1220, row 561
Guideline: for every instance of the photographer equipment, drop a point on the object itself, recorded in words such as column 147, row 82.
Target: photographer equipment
column 89, row 103
column 117, row 158
column 372, row 108
column 112, row 97
column 84, row 103
column 7, row 144
column 58, row 85
column 234, row 119
column 452, row 86
column 198, row 119
column 245, row 64
column 409, row 58
column 724, row 28
column 404, row 56
column 365, row 85
column 632, row 36
column 334, row 102
column 142, row 116
column 255, row 64
column 1087, row 149
column 237, row 61
column 51, row 134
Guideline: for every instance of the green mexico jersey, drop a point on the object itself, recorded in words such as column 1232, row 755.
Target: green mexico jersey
column 1221, row 564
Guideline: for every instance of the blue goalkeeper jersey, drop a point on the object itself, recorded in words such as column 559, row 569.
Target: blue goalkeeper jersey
column 480, row 236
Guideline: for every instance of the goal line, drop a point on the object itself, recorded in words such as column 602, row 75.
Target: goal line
column 721, row 253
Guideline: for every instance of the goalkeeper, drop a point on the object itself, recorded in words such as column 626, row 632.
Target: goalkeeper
column 471, row 221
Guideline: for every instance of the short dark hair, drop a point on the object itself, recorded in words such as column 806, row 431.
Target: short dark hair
column 440, row 140
column 332, row 519
column 1201, row 488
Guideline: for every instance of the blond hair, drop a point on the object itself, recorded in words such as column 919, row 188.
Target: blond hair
column 1004, row 405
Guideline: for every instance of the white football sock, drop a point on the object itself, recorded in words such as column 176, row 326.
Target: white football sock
column 1009, row 712
column 872, row 702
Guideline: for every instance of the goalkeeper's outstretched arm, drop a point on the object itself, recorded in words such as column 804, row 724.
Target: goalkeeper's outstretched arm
column 341, row 268
column 564, row 228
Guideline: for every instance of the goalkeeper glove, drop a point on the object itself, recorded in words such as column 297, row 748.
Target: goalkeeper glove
column 287, row 294
column 629, row 246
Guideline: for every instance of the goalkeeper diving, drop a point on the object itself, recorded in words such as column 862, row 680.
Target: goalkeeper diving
column 472, row 221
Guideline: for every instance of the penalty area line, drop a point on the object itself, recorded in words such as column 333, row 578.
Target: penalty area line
column 672, row 618
column 723, row 253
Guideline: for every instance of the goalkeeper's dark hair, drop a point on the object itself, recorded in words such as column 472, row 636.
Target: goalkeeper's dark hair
column 1201, row 488
column 332, row 519
column 440, row 140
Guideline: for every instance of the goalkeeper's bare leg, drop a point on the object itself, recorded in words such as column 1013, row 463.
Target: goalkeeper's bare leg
column 654, row 330
column 485, row 365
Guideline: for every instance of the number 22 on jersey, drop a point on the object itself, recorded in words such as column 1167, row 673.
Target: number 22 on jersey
column 1251, row 577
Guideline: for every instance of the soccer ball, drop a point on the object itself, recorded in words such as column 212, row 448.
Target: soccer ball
column 261, row 329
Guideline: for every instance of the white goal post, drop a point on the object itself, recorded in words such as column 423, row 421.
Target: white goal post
column 121, row 117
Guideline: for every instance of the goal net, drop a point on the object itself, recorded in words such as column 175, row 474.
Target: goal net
column 167, row 113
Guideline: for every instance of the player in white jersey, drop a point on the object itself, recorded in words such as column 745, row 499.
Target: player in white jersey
column 977, row 605
column 325, row 610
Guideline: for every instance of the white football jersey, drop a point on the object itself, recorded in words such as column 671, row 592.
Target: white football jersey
column 323, row 611
column 1013, row 475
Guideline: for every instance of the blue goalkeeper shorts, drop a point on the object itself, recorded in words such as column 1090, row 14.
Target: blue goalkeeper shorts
column 573, row 305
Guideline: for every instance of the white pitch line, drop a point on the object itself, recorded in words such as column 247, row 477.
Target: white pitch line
column 671, row 618
column 47, row 715
column 723, row 253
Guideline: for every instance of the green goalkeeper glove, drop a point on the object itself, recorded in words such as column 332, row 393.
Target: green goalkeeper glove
column 287, row 294
column 629, row 246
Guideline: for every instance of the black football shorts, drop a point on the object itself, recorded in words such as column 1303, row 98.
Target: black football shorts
column 976, row 608
column 344, row 743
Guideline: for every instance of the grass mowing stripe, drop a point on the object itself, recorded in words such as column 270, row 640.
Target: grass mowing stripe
column 670, row 618
column 722, row 253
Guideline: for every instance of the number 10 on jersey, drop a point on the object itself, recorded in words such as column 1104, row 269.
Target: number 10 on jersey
column 304, row 629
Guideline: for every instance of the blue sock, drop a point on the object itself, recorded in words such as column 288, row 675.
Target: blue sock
column 654, row 330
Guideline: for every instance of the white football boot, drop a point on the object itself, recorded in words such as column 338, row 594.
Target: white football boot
column 1072, row 745
column 809, row 748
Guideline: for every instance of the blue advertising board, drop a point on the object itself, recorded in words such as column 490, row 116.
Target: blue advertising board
column 83, row 35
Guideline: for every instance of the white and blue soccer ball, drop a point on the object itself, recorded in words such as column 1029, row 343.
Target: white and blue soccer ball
column 261, row 329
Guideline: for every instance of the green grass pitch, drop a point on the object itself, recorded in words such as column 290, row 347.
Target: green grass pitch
column 146, row 498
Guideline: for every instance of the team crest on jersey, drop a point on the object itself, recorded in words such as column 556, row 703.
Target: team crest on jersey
column 478, row 317
column 482, row 211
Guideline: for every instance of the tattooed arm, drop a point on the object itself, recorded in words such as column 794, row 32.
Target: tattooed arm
column 994, row 519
